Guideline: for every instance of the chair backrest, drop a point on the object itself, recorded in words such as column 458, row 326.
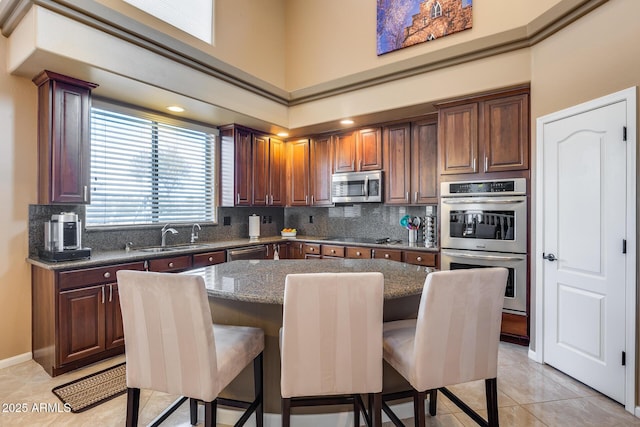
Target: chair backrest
column 458, row 327
column 331, row 338
column 168, row 334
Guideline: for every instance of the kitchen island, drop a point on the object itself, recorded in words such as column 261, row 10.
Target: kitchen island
column 251, row 293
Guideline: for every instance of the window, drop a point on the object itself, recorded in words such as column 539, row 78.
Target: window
column 147, row 169
column 436, row 10
column 194, row 17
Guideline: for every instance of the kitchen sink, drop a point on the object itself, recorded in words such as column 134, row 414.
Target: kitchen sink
column 156, row 249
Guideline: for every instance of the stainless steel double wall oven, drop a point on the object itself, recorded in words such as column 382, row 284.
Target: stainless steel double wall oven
column 484, row 224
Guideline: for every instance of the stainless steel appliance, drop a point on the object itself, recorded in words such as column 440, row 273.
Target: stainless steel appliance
column 63, row 238
column 484, row 224
column 356, row 187
column 249, row 252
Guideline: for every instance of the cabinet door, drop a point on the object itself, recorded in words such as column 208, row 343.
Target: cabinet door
column 369, row 153
column 506, row 133
column 458, row 139
column 320, row 171
column 299, row 172
column 176, row 263
column 114, row 329
column 296, row 250
column 260, row 169
column 424, row 162
column 64, row 144
column 81, row 320
column 243, row 163
column 344, row 145
column 277, row 187
column 397, row 160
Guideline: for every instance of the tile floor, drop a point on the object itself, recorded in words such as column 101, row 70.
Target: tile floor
column 529, row 394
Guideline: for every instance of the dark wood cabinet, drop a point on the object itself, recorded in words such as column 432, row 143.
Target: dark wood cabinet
column 359, row 150
column 486, row 134
column 410, row 163
column 298, row 172
column 296, row 250
column 170, row 264
column 356, row 252
column 427, row 259
column 277, row 176
column 321, row 168
column 260, row 170
column 76, row 318
column 332, row 251
column 209, row 258
column 64, row 139
column 236, row 184
column 390, row 254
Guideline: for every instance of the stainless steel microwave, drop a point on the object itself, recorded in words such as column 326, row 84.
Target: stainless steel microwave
column 356, row 187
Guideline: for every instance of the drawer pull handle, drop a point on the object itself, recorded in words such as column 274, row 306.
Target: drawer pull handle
column 311, row 249
column 107, row 275
column 419, row 259
column 358, row 253
column 333, row 251
column 210, row 259
column 170, row 265
column 386, row 255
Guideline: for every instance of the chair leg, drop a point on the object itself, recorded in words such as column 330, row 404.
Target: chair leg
column 491, row 387
column 375, row 410
column 210, row 414
column 133, row 405
column 286, row 412
column 356, row 411
column 258, row 389
column 193, row 411
column 418, row 408
column 433, row 402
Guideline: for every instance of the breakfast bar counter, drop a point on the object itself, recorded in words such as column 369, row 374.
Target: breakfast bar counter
column 251, row 293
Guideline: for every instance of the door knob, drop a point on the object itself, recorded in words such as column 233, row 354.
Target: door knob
column 549, row 257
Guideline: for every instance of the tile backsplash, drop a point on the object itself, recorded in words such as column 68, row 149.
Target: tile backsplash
column 371, row 220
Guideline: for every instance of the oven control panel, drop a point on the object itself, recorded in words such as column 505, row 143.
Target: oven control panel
column 516, row 186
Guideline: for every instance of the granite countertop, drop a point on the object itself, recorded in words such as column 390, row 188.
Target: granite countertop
column 99, row 258
column 262, row 281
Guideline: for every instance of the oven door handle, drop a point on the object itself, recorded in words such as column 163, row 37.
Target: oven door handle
column 483, row 200
column 484, row 257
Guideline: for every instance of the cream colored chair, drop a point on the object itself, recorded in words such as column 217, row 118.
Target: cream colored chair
column 331, row 342
column 454, row 340
column 173, row 347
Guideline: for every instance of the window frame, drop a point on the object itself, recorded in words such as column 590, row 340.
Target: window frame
column 146, row 114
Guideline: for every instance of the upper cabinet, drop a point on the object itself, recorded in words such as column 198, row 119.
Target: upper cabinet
column 410, row 163
column 298, row 172
column 64, row 139
column 359, row 150
column 320, row 170
column 252, row 168
column 485, row 134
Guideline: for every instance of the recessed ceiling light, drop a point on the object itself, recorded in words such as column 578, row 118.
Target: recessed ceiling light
column 282, row 134
column 175, row 109
column 346, row 122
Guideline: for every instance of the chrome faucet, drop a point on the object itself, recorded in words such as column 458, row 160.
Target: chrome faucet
column 194, row 233
column 166, row 230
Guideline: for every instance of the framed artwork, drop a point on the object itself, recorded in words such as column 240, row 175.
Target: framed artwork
column 404, row 23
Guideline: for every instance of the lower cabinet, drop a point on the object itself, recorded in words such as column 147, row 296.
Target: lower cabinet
column 76, row 318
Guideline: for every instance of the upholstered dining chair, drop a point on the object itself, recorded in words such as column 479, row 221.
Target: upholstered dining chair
column 454, row 340
column 172, row 346
column 331, row 342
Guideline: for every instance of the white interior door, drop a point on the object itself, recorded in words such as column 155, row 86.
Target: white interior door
column 585, row 215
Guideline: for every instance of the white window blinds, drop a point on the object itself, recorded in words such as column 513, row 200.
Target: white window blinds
column 144, row 171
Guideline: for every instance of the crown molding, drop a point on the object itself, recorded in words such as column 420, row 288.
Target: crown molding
column 104, row 19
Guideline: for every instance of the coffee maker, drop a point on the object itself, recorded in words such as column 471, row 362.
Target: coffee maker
column 63, row 238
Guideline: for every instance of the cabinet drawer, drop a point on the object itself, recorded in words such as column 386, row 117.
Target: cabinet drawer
column 355, row 252
column 333, row 251
column 390, row 254
column 209, row 258
column 420, row 258
column 312, row 248
column 170, row 264
column 94, row 276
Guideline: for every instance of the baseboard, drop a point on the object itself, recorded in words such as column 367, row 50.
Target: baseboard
column 533, row 355
column 637, row 411
column 5, row 363
column 230, row 416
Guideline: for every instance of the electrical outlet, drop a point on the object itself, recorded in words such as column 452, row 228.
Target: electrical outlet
column 270, row 219
column 264, row 219
column 310, row 219
column 226, row 220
